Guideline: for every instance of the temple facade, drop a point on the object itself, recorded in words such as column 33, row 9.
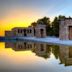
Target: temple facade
column 8, row 33
column 37, row 31
column 40, row 31
column 65, row 29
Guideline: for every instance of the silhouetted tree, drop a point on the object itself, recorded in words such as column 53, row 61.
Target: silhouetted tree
column 45, row 21
column 33, row 24
column 61, row 17
column 55, row 51
column 52, row 29
column 55, row 25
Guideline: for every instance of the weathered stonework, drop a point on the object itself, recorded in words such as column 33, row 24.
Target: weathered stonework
column 30, row 31
column 19, row 31
column 37, row 31
column 64, row 28
column 40, row 31
column 8, row 33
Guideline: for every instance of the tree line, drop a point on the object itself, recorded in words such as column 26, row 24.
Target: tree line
column 52, row 28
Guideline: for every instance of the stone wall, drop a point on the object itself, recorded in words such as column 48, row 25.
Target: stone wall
column 8, row 33
column 19, row 33
column 64, row 29
column 30, row 32
column 38, row 31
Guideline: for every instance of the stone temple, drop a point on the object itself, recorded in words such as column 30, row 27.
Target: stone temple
column 65, row 30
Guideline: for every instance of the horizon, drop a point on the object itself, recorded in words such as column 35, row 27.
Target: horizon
column 21, row 13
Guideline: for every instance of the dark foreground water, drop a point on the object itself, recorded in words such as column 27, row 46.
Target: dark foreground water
column 34, row 57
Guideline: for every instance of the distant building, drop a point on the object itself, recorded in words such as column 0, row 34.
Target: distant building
column 8, row 33
column 19, row 31
column 37, row 31
column 30, row 31
column 65, row 29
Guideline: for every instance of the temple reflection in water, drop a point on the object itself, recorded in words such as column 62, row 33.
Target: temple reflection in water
column 63, row 53
column 42, row 50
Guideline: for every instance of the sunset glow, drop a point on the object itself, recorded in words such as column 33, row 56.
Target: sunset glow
column 16, row 19
column 21, row 13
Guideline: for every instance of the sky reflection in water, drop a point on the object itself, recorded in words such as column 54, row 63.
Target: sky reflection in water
column 34, row 57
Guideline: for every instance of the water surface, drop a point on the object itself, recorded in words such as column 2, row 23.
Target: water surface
column 34, row 57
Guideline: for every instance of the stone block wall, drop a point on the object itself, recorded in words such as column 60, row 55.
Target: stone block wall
column 38, row 31
column 64, row 29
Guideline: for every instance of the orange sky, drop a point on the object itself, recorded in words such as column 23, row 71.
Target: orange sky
column 17, row 18
column 14, row 13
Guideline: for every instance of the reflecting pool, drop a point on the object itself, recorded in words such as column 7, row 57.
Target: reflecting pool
column 23, row 56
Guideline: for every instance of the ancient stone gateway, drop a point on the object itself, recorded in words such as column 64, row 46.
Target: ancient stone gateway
column 40, row 31
column 65, row 32
column 37, row 31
